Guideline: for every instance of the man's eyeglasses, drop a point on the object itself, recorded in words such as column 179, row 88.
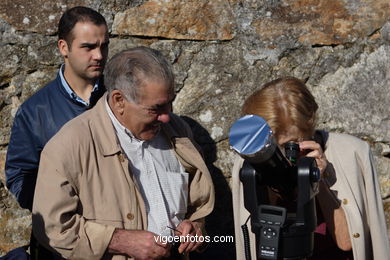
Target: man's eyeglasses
column 159, row 108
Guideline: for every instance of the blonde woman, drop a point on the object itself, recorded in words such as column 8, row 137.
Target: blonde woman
column 350, row 217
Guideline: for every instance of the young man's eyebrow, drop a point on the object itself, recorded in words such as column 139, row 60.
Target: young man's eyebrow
column 88, row 44
column 94, row 45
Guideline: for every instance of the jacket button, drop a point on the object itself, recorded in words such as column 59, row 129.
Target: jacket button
column 345, row 201
column 130, row 216
column 356, row 235
column 121, row 158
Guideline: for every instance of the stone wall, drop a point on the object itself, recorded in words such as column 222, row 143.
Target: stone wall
column 221, row 51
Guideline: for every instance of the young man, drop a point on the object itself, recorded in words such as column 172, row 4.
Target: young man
column 128, row 171
column 83, row 42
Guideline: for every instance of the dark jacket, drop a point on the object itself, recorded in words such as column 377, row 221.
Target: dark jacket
column 36, row 121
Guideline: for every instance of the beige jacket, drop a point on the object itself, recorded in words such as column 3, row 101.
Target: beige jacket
column 354, row 181
column 84, row 188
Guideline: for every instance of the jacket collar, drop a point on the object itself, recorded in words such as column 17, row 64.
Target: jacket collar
column 182, row 145
column 97, row 92
column 102, row 129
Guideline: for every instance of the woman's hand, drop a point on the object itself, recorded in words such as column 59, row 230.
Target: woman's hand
column 316, row 152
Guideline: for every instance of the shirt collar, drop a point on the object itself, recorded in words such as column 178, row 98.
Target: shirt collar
column 69, row 90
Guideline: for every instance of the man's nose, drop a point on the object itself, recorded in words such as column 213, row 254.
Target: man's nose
column 98, row 55
column 164, row 117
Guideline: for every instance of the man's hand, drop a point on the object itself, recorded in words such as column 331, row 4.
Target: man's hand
column 188, row 229
column 138, row 244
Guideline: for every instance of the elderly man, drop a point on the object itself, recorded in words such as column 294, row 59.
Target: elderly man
column 125, row 172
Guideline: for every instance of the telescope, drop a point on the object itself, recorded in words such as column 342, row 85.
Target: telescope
column 281, row 232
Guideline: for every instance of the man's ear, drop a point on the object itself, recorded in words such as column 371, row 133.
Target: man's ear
column 63, row 47
column 117, row 101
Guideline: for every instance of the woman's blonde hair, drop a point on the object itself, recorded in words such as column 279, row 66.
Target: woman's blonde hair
column 284, row 103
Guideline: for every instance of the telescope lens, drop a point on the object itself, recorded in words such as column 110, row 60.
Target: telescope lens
column 252, row 138
column 292, row 152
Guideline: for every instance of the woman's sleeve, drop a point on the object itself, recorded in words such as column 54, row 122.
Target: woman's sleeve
column 375, row 213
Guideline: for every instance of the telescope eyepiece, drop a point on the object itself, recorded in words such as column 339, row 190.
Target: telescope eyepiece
column 292, row 152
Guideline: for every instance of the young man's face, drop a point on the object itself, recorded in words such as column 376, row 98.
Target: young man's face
column 86, row 57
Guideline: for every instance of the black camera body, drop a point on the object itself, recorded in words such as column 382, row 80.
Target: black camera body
column 280, row 233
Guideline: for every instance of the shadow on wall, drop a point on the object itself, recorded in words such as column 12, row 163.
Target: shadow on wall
column 220, row 221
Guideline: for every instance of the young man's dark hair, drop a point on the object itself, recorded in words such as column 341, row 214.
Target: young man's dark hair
column 74, row 15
